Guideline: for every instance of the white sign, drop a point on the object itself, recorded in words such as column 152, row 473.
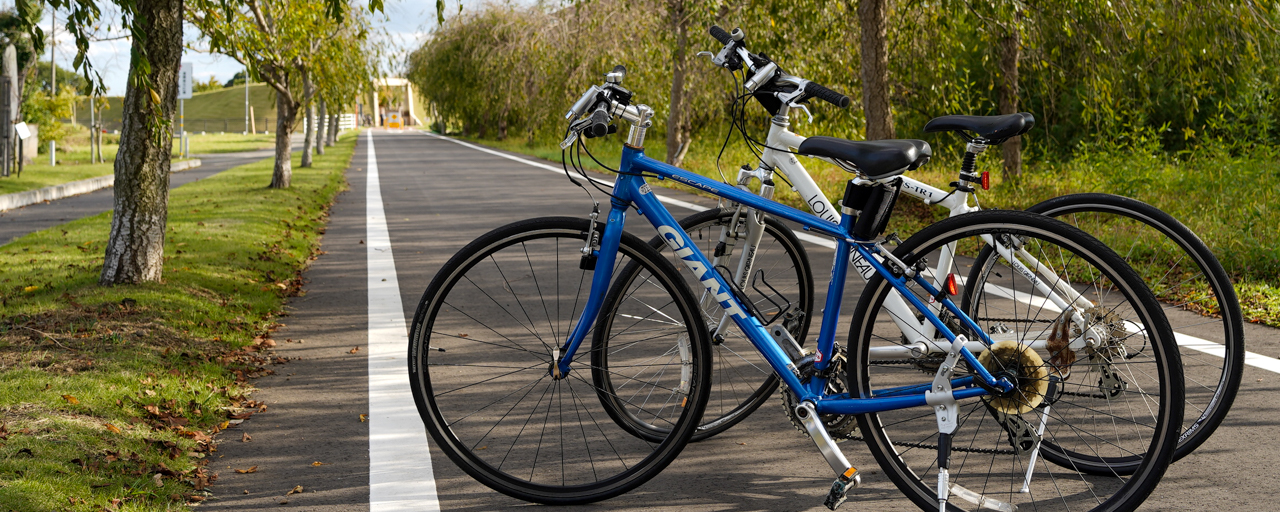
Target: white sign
column 22, row 130
column 184, row 81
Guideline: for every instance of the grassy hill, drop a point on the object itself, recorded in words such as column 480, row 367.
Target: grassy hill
column 212, row 111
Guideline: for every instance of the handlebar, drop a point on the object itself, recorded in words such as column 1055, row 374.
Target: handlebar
column 770, row 73
column 719, row 34
column 817, row 90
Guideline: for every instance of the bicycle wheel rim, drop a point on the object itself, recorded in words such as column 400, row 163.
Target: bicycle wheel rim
column 489, row 432
column 1194, row 289
column 984, row 461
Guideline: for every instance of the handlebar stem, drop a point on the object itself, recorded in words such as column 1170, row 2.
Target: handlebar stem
column 641, row 118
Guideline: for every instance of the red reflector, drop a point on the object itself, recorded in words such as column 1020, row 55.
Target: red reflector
column 952, row 289
column 986, row 180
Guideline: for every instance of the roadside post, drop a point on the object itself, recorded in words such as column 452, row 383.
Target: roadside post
column 184, row 93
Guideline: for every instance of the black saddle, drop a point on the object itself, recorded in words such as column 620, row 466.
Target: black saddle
column 995, row 129
column 877, row 159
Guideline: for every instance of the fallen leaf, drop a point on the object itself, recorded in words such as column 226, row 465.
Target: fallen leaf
column 317, row 463
column 149, row 392
column 295, row 490
column 224, row 425
column 354, row 350
column 30, row 289
column 157, row 479
column 364, row 418
column 113, row 429
column 245, row 437
column 250, row 470
column 70, row 399
column 284, row 502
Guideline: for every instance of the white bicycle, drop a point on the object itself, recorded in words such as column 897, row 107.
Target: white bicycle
column 1012, row 294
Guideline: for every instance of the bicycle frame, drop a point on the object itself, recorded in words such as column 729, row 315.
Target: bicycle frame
column 1057, row 294
column 630, row 189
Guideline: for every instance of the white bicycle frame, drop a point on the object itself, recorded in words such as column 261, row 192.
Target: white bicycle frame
column 1058, row 295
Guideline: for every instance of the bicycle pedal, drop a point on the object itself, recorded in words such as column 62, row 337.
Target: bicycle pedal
column 836, row 497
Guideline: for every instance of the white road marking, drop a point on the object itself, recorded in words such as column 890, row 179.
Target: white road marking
column 400, row 476
column 1185, row 340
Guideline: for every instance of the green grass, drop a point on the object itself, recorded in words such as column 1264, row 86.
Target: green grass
column 210, row 106
column 227, row 142
column 1232, row 203
column 74, row 165
column 107, row 387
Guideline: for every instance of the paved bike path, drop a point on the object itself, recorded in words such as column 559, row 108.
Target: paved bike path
column 437, row 196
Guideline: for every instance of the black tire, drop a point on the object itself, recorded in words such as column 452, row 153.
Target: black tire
column 741, row 379
column 1176, row 265
column 480, row 355
column 1102, row 449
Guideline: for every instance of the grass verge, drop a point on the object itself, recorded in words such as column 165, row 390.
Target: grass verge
column 112, row 393
column 74, row 165
column 1230, row 202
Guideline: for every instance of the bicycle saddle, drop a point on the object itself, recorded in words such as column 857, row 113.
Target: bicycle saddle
column 995, row 129
column 877, row 159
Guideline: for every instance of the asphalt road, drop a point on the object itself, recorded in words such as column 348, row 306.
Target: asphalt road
column 21, row 221
column 438, row 195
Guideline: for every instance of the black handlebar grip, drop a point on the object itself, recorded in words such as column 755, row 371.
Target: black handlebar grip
column 720, row 34
column 599, row 126
column 816, row 90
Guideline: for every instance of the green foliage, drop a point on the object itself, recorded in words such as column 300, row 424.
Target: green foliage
column 39, row 79
column 48, row 112
column 212, row 84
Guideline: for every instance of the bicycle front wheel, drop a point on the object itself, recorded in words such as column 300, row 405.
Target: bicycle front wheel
column 482, row 352
column 1093, row 421
column 1193, row 288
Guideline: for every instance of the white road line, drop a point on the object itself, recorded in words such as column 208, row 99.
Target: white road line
column 400, row 476
column 1186, row 340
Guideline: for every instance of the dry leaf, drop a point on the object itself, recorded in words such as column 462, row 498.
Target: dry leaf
column 250, row 470
column 156, row 479
column 317, row 463
column 224, row 425
column 114, row 429
column 245, row 437
column 70, row 399
column 30, row 289
column 295, row 490
column 364, row 418
column 354, row 350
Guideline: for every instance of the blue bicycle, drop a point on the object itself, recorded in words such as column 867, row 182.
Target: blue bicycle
column 564, row 360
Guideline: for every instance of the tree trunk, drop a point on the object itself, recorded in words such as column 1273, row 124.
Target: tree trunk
column 1010, row 48
column 873, row 22
column 333, row 129
column 677, row 135
column 287, row 113
column 322, row 127
column 309, row 136
column 135, row 247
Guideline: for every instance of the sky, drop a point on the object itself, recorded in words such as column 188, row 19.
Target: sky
column 404, row 26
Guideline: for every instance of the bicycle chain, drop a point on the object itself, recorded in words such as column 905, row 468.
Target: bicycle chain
column 927, row 446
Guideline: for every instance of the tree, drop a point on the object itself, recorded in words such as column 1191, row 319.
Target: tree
column 874, row 43
column 280, row 42
column 237, row 79
column 212, row 84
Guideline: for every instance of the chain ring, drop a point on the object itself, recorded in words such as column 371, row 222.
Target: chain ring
column 839, row 426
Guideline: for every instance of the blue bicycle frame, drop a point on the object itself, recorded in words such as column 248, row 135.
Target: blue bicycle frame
column 630, row 189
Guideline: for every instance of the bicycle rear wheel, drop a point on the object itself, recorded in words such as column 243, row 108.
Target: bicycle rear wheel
column 1194, row 290
column 482, row 347
column 1095, row 424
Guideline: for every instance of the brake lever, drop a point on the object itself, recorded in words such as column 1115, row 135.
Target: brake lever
column 803, row 107
column 575, row 129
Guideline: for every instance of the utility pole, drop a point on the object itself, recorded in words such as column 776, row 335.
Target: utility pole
column 246, row 100
column 53, row 74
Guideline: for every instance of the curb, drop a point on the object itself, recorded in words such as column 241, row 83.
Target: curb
column 20, row 199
